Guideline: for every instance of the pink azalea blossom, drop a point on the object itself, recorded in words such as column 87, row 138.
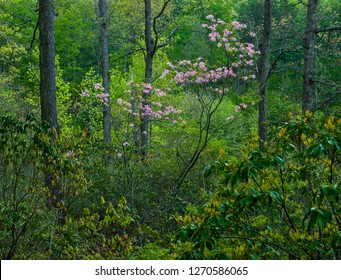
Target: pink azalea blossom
column 85, row 93
column 98, row 86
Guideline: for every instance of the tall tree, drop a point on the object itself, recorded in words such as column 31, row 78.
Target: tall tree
column 149, row 56
column 48, row 85
column 47, row 63
column 152, row 45
column 105, row 69
column 264, row 69
column 309, row 57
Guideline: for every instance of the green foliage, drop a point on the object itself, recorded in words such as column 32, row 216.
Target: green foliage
column 281, row 203
column 30, row 229
column 96, row 233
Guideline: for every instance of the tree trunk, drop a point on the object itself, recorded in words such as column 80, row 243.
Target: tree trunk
column 149, row 56
column 48, row 87
column 264, row 69
column 105, row 68
column 309, row 57
column 47, row 64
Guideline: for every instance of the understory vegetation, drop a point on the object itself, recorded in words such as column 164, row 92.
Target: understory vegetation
column 195, row 182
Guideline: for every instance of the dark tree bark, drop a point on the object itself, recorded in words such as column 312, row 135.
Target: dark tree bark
column 149, row 56
column 152, row 45
column 105, row 68
column 309, row 57
column 264, row 71
column 48, row 87
column 47, row 63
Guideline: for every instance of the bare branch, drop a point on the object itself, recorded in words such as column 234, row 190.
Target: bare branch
column 34, row 36
column 327, row 83
column 168, row 39
column 129, row 53
column 273, row 65
column 154, row 23
column 326, row 101
column 328, row 29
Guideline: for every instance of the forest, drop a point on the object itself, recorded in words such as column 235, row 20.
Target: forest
column 170, row 129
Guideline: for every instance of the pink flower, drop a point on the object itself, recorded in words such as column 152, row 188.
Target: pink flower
column 98, row 86
column 210, row 17
column 147, row 88
column 237, row 108
column 104, row 97
column 85, row 93
column 131, row 125
column 119, row 155
column 164, row 73
column 119, row 101
column 244, row 106
column 125, row 144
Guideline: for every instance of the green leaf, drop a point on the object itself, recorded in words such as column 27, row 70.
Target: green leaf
column 222, row 221
column 275, row 195
column 279, row 160
column 313, row 218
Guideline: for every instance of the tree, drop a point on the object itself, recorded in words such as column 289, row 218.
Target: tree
column 152, row 45
column 309, row 77
column 48, row 84
column 309, row 57
column 264, row 69
column 47, row 64
column 105, row 69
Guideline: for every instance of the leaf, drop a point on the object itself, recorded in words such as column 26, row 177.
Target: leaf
column 313, row 218
column 183, row 235
column 222, row 221
column 275, row 195
column 323, row 217
column 279, row 160
column 207, row 170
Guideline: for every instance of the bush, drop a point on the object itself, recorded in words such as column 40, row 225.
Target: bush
column 280, row 203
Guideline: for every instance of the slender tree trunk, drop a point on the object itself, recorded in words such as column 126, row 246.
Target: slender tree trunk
column 149, row 56
column 47, row 63
column 48, row 87
column 309, row 57
column 264, row 69
column 105, row 68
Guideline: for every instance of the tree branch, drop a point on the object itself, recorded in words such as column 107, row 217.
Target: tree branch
column 34, row 36
column 328, row 29
column 326, row 101
column 154, row 23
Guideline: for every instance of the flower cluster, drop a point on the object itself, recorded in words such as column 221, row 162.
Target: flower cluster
column 102, row 97
column 197, row 72
column 154, row 109
column 227, row 36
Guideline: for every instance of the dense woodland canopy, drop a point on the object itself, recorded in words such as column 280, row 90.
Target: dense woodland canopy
column 170, row 129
